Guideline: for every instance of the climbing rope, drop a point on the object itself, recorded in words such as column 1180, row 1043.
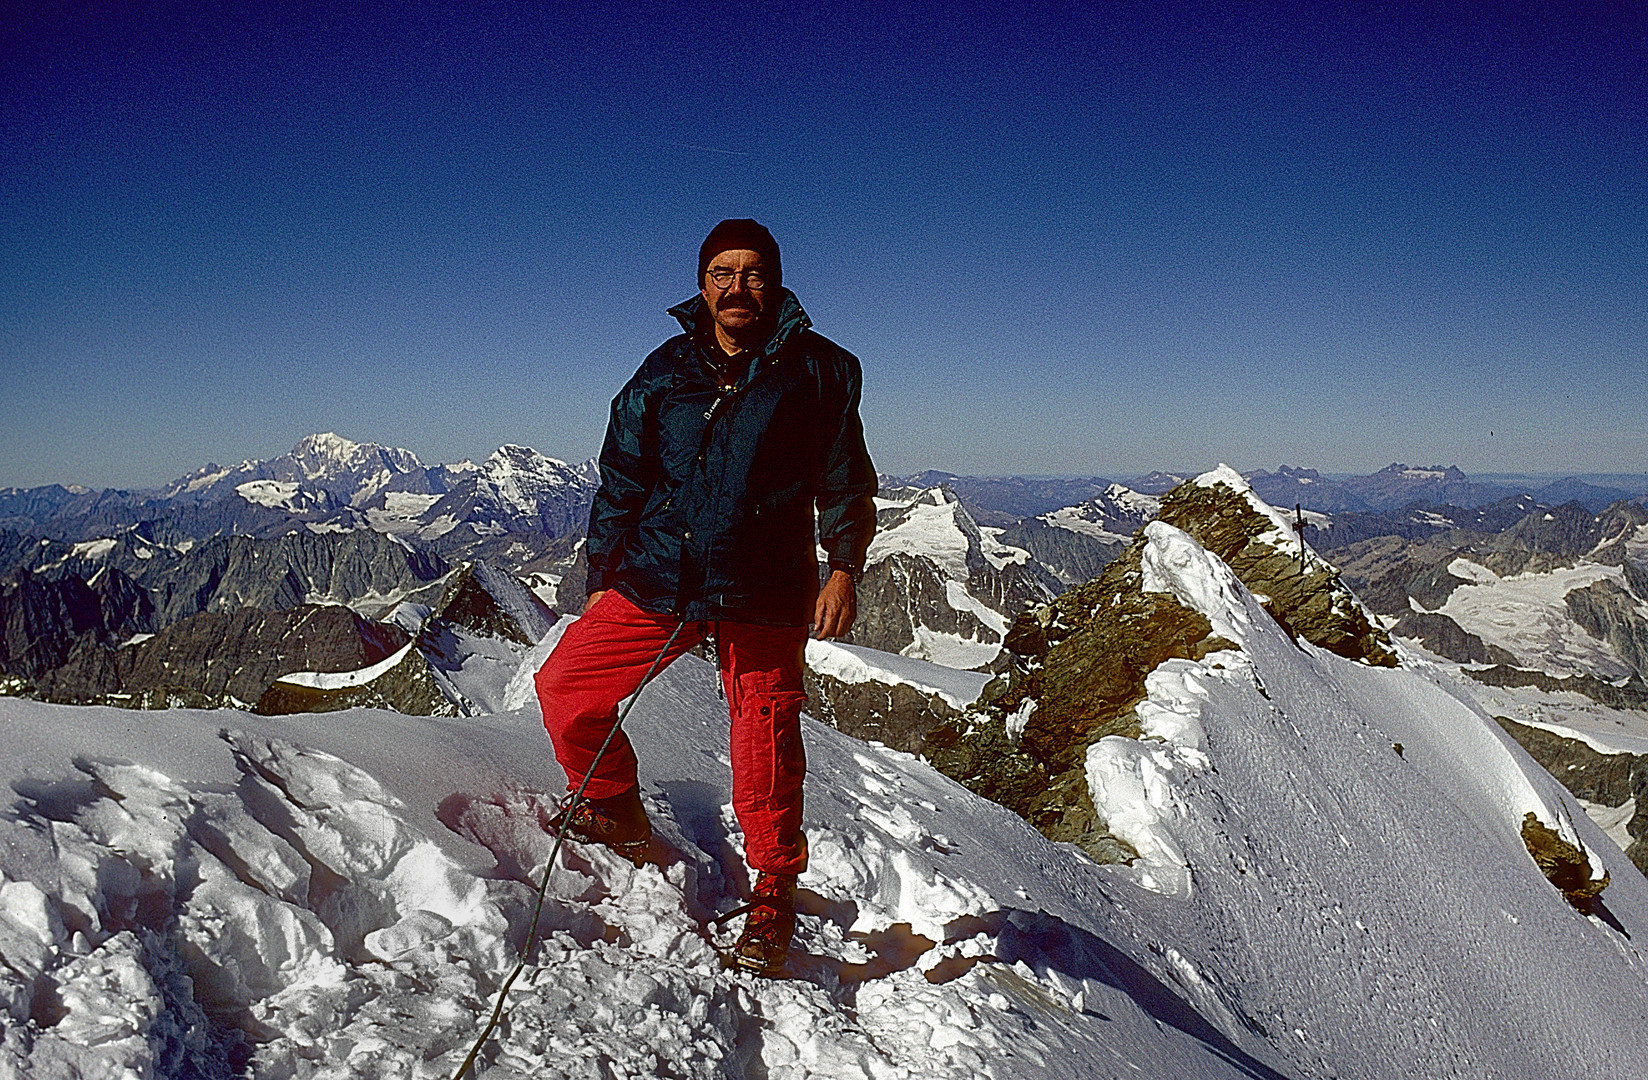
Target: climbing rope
column 549, row 868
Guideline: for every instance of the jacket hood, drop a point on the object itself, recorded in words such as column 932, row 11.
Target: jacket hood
column 693, row 314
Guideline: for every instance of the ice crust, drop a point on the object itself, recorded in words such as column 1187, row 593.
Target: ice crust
column 339, row 895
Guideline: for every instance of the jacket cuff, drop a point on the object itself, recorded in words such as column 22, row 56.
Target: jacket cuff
column 854, row 572
column 597, row 579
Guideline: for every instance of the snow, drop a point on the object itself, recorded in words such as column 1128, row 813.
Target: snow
column 1093, row 517
column 998, row 554
column 439, row 527
column 1078, row 519
column 276, row 494
column 352, row 886
column 401, row 513
column 950, row 649
column 517, row 480
column 959, row 599
column 1567, row 713
column 857, row 664
column 206, row 478
column 1612, row 819
column 338, row 680
column 1525, row 614
column 929, row 530
column 92, row 550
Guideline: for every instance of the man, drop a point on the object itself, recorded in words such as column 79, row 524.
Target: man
column 716, row 452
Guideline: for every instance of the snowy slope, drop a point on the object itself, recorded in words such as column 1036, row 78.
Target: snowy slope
column 345, row 889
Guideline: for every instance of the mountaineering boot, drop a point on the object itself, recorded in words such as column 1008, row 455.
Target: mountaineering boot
column 765, row 941
column 619, row 823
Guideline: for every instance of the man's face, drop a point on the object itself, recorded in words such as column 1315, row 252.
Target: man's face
column 737, row 307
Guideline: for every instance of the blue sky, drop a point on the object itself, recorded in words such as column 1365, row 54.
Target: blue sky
column 1062, row 239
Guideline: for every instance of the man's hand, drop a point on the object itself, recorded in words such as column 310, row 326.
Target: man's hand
column 593, row 599
column 837, row 606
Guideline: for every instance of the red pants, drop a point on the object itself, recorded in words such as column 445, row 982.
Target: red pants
column 603, row 657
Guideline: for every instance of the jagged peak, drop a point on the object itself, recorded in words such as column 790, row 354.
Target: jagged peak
column 512, row 456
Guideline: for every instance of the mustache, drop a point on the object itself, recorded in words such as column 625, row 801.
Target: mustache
column 729, row 304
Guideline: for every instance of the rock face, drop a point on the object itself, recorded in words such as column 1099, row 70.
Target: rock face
column 893, row 700
column 1608, row 779
column 893, row 714
column 1079, row 666
column 1611, row 613
column 938, row 586
column 1563, row 864
column 1631, row 695
column 1446, row 638
column 224, row 658
column 405, row 683
column 482, row 625
column 1079, row 663
column 44, row 619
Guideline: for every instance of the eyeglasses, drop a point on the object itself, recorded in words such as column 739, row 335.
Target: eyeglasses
column 753, row 279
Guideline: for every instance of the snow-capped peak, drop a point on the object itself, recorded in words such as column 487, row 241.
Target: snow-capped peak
column 328, row 456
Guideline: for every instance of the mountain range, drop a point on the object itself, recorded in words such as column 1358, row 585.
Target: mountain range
column 1237, row 829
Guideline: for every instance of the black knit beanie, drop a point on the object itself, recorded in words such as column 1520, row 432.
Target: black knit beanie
column 741, row 234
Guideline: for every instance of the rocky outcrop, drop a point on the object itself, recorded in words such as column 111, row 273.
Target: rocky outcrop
column 1631, row 695
column 1611, row 613
column 1446, row 638
column 43, row 619
column 233, row 572
column 877, row 696
column 1304, row 595
column 893, row 714
column 484, row 600
column 1079, row 663
column 1596, row 777
column 483, row 625
column 221, row 658
column 1563, row 864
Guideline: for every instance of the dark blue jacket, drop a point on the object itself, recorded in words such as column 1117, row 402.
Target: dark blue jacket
column 705, row 509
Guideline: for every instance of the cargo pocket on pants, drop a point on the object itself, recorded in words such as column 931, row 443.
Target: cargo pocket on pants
column 779, row 716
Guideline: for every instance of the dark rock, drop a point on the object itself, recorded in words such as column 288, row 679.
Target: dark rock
column 894, row 714
column 479, row 601
column 1080, row 666
column 1072, row 557
column 484, row 600
column 1631, row 695
column 1441, row 635
column 44, row 619
column 224, row 657
column 408, row 687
